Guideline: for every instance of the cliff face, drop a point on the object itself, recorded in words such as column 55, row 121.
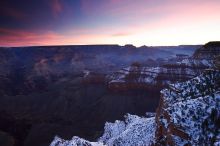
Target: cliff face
column 135, row 77
column 188, row 112
column 64, row 90
column 177, row 69
column 57, row 88
column 27, row 69
column 134, row 130
column 208, row 51
column 75, row 141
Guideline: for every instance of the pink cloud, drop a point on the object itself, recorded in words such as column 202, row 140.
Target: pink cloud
column 180, row 21
column 56, row 7
column 24, row 38
column 121, row 34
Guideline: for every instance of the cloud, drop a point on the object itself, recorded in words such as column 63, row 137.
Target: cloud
column 56, row 6
column 121, row 34
column 154, row 22
column 9, row 37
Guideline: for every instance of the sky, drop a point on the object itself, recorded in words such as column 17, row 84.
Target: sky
column 80, row 22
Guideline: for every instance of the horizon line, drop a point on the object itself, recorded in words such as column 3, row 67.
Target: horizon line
column 105, row 45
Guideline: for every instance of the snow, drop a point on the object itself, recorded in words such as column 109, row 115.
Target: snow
column 149, row 75
column 75, row 141
column 188, row 114
column 86, row 73
column 198, row 86
column 190, row 106
column 135, row 130
column 197, row 62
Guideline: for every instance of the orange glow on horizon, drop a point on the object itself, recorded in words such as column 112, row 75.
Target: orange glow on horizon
column 188, row 22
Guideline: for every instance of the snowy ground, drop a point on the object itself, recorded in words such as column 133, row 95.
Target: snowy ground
column 138, row 131
column 194, row 106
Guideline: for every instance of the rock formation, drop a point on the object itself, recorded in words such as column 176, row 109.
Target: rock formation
column 188, row 112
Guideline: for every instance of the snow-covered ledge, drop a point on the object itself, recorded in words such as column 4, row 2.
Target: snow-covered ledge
column 134, row 130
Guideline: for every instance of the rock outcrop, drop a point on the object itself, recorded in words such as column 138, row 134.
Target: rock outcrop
column 150, row 77
column 208, row 51
column 134, row 130
column 75, row 141
column 177, row 69
column 188, row 112
column 64, row 90
column 153, row 78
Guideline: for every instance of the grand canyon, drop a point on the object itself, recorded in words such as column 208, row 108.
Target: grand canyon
column 109, row 73
column 74, row 90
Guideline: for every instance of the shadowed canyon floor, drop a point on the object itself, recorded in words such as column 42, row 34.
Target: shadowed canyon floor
column 74, row 90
